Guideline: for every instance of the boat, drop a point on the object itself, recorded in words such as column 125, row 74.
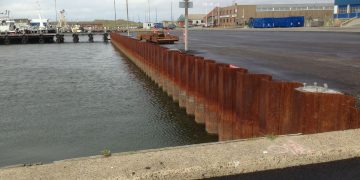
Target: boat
column 77, row 29
column 41, row 25
column 7, row 26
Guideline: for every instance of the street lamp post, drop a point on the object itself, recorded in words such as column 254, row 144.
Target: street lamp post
column 127, row 17
column 115, row 11
column 186, row 38
column 56, row 17
column 206, row 11
column 149, row 11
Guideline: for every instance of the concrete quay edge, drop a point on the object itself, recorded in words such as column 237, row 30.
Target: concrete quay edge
column 203, row 160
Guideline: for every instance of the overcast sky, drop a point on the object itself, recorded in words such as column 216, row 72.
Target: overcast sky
column 80, row 10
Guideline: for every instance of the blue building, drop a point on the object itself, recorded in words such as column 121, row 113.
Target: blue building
column 345, row 9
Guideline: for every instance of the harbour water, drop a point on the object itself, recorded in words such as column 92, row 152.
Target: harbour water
column 60, row 101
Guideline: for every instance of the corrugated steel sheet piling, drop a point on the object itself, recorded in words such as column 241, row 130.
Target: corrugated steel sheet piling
column 200, row 90
column 276, row 107
column 236, row 104
column 184, row 70
column 210, row 96
column 190, row 81
column 176, row 68
column 162, row 70
column 318, row 112
column 227, row 91
column 355, row 118
column 166, row 78
column 248, row 110
column 171, row 73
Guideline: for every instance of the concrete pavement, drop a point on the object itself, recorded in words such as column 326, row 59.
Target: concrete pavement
column 322, row 57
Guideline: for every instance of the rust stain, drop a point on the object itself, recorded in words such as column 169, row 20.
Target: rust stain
column 234, row 103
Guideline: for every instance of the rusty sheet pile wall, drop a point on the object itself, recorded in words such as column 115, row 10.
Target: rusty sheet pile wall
column 234, row 103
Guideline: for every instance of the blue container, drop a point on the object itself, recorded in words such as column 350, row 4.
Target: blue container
column 283, row 22
column 346, row 2
column 347, row 16
column 158, row 25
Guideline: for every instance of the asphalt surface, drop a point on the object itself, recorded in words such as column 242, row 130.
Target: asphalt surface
column 308, row 57
column 344, row 170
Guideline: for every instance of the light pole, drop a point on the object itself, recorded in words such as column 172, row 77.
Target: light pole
column 115, row 11
column 186, row 40
column 172, row 18
column 149, row 11
column 56, row 17
column 127, row 17
column 206, row 11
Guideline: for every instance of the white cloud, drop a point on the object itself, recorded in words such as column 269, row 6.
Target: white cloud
column 78, row 10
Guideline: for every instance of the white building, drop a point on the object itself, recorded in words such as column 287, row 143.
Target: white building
column 197, row 19
column 148, row 25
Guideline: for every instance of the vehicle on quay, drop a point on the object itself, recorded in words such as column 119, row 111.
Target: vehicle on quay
column 158, row 37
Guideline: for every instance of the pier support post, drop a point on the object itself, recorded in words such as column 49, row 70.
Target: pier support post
column 91, row 37
column 6, row 40
column 41, row 39
column 24, row 39
column 106, row 37
column 75, row 38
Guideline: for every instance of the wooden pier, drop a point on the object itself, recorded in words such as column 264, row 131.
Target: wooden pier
column 7, row 39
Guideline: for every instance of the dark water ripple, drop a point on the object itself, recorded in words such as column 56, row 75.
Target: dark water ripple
column 73, row 100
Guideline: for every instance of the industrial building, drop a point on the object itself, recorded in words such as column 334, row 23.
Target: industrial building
column 346, row 9
column 240, row 15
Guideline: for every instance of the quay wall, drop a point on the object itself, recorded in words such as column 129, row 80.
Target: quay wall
column 234, row 103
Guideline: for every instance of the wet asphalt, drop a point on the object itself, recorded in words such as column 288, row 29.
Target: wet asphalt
column 307, row 57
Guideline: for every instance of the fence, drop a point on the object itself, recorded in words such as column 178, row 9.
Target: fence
column 234, row 103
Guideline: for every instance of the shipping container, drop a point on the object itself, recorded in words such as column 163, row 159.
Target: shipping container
column 283, row 22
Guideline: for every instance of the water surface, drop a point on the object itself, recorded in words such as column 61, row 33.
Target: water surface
column 60, row 101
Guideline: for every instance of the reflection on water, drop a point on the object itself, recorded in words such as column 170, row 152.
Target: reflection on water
column 60, row 101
